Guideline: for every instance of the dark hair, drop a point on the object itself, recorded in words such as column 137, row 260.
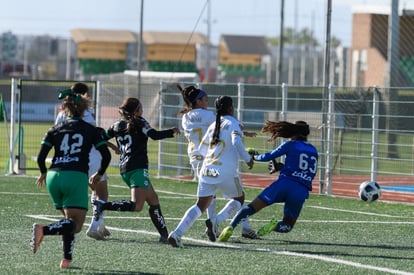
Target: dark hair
column 190, row 95
column 298, row 130
column 223, row 106
column 80, row 88
column 127, row 110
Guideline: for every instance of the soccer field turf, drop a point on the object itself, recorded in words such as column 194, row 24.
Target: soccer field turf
column 332, row 236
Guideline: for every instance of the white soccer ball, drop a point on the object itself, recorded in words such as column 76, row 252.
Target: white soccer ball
column 369, row 191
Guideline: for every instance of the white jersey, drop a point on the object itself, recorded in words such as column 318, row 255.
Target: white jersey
column 87, row 116
column 222, row 160
column 195, row 124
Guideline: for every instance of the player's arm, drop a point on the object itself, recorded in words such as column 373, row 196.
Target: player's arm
column 106, row 157
column 41, row 162
column 238, row 143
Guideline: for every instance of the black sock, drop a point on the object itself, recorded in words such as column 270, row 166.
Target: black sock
column 68, row 241
column 158, row 220
column 61, row 227
column 243, row 213
column 120, row 205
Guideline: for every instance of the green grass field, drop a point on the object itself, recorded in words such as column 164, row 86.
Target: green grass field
column 332, row 236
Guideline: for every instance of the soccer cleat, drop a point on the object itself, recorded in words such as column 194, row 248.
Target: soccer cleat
column 163, row 240
column 65, row 263
column 103, row 230
column 94, row 231
column 211, row 230
column 226, row 234
column 97, row 210
column 94, row 234
column 37, row 237
column 249, row 233
column 267, row 228
column 174, row 240
column 283, row 227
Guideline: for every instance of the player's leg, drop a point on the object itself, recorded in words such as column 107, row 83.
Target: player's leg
column 155, row 213
column 205, row 194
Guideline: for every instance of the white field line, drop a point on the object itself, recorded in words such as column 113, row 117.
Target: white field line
column 225, row 245
column 357, row 212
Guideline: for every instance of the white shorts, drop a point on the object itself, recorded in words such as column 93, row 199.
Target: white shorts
column 94, row 163
column 229, row 187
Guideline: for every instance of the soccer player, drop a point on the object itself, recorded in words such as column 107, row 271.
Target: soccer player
column 67, row 178
column 195, row 121
column 221, row 147
column 131, row 133
column 97, row 229
column 294, row 182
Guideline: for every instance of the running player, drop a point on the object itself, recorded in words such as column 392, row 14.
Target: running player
column 96, row 229
column 294, row 182
column 221, row 147
column 131, row 133
column 67, row 178
column 195, row 121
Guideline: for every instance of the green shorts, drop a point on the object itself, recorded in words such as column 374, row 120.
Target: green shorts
column 68, row 189
column 137, row 178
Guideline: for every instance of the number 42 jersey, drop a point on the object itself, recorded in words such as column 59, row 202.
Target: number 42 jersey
column 72, row 141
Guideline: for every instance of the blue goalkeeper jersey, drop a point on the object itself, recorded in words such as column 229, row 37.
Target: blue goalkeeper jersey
column 301, row 161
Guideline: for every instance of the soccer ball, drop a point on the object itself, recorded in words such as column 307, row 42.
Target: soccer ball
column 369, row 191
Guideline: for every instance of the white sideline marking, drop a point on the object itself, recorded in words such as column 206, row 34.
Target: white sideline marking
column 226, row 245
column 357, row 212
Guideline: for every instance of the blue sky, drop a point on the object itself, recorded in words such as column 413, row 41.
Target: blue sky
column 245, row 17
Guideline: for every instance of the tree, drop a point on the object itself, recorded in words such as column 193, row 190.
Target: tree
column 303, row 37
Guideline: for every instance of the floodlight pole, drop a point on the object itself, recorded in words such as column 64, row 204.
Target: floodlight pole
column 327, row 59
column 139, row 63
column 280, row 61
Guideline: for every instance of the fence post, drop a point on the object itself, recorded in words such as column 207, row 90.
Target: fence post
column 240, row 106
column 12, row 125
column 160, row 123
column 98, row 102
column 330, row 131
column 283, row 113
column 374, row 144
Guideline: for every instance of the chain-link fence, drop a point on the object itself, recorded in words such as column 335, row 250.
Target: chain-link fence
column 352, row 138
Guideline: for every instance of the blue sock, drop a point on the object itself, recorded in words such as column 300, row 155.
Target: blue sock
column 243, row 213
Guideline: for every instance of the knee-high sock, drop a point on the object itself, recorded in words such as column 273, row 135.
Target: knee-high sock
column 68, row 241
column 190, row 216
column 243, row 214
column 119, row 205
column 158, row 220
column 228, row 211
column 211, row 209
column 66, row 228
column 62, row 227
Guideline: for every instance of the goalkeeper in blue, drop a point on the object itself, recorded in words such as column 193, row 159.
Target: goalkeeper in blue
column 294, row 182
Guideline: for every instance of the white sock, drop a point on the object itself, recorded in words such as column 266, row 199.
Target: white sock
column 246, row 224
column 211, row 210
column 190, row 216
column 228, row 211
column 93, row 197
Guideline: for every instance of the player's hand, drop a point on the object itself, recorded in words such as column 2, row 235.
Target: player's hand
column 274, row 166
column 94, row 179
column 41, row 180
column 252, row 152
column 176, row 131
column 250, row 163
